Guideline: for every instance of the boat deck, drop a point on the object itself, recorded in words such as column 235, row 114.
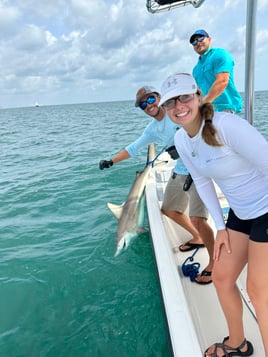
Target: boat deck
column 194, row 317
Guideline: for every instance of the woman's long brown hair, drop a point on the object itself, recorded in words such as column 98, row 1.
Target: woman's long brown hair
column 209, row 131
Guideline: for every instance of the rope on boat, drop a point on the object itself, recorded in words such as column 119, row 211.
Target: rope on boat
column 191, row 270
column 153, row 161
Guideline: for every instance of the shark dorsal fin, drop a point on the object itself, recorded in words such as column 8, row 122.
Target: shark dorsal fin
column 116, row 209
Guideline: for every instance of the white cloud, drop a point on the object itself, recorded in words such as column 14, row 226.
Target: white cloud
column 263, row 5
column 8, row 19
column 68, row 51
column 30, row 38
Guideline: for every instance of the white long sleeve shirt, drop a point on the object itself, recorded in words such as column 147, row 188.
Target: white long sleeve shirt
column 239, row 167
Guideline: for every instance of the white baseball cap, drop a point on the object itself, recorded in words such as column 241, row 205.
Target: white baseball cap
column 177, row 84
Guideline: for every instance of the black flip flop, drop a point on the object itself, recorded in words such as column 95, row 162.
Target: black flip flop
column 204, row 273
column 190, row 246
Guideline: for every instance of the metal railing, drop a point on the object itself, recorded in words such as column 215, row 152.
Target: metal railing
column 155, row 6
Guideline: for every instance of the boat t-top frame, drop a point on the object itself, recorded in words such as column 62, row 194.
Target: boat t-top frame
column 154, row 6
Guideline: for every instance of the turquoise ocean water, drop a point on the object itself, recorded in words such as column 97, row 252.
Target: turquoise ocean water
column 62, row 292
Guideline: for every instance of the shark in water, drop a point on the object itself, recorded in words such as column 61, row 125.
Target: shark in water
column 130, row 214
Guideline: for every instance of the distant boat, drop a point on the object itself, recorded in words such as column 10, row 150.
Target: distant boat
column 36, row 104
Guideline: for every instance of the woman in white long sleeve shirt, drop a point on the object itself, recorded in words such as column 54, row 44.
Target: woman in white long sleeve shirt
column 227, row 149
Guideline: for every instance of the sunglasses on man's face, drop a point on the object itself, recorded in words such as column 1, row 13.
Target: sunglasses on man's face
column 198, row 39
column 149, row 100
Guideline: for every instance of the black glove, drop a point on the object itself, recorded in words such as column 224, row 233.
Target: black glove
column 173, row 152
column 187, row 183
column 105, row 164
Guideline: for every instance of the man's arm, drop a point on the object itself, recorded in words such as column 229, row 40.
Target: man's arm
column 217, row 87
column 131, row 150
column 122, row 155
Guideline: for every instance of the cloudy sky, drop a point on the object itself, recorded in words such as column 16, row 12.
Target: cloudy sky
column 80, row 51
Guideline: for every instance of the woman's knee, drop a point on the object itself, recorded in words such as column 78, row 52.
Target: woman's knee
column 222, row 279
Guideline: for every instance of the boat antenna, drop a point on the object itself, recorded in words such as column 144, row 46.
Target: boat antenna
column 250, row 58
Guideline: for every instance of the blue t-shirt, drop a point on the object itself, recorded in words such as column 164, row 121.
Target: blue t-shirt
column 160, row 132
column 212, row 62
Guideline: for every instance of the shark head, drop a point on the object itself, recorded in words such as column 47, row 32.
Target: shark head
column 124, row 241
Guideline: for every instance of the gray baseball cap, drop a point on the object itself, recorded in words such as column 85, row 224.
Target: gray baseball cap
column 142, row 92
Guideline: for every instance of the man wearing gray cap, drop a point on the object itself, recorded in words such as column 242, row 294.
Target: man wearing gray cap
column 214, row 74
column 162, row 130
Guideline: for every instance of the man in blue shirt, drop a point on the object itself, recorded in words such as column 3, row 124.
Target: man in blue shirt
column 162, row 130
column 214, row 74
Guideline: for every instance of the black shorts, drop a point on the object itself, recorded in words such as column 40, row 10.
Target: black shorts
column 256, row 228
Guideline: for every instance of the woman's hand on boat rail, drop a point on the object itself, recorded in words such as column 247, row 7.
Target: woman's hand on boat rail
column 221, row 242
